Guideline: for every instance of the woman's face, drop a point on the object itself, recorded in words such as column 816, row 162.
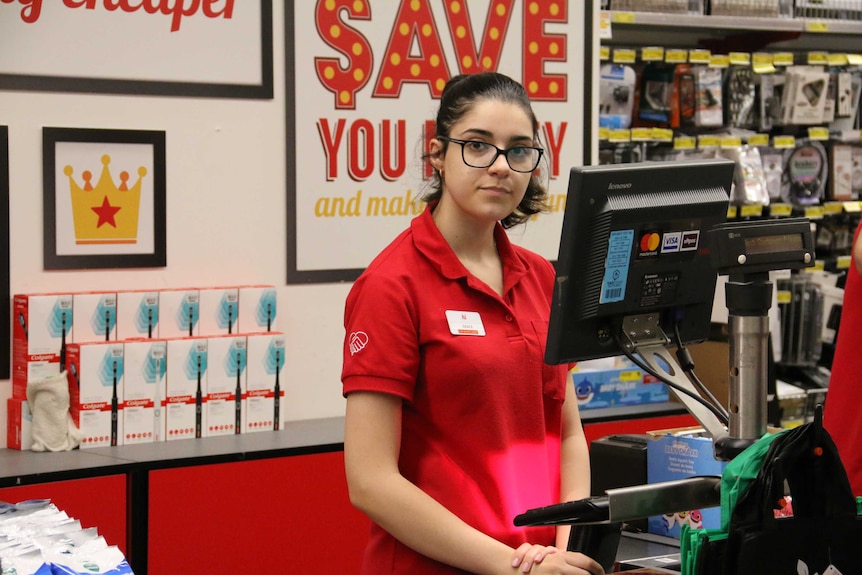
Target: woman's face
column 485, row 194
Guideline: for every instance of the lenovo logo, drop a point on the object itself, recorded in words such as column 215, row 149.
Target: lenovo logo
column 625, row 186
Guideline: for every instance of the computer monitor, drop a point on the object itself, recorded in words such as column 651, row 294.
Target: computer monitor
column 633, row 249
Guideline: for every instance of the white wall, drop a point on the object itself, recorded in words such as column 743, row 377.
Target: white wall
column 226, row 214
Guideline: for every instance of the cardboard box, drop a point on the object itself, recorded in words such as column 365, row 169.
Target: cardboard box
column 225, row 385
column 179, row 312
column 219, row 309
column 41, row 328
column 137, row 314
column 258, row 309
column 19, row 424
column 95, row 316
column 96, row 373
column 616, row 387
column 263, row 382
column 185, row 389
column 143, row 390
column 675, row 454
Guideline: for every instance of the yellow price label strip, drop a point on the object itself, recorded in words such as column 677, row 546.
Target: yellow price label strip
column 625, row 56
column 853, row 207
column 604, row 53
column 837, row 59
column 623, row 18
column 854, row 59
column 816, row 26
column 758, row 140
column 843, row 262
column 833, row 208
column 740, row 58
column 819, row 266
column 684, row 143
column 730, row 142
column 662, row 134
column 676, row 56
column 784, row 142
column 699, row 56
column 818, row 133
column 782, row 58
column 818, row 59
column 619, row 136
column 751, row 211
column 641, row 134
column 731, row 212
column 781, row 210
column 652, row 54
column 814, row 212
column 719, row 61
column 604, row 133
column 784, row 296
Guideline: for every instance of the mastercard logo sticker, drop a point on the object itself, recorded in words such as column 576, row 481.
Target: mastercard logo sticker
column 650, row 242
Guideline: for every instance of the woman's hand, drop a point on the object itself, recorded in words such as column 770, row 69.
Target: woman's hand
column 541, row 560
column 527, row 555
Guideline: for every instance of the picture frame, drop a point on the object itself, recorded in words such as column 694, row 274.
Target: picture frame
column 5, row 287
column 238, row 62
column 104, row 198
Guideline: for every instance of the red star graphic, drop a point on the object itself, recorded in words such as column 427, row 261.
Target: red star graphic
column 106, row 213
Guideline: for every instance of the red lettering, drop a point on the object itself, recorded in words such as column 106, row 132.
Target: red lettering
column 30, row 9
column 414, row 27
column 361, row 132
column 88, row 4
column 540, row 47
column 555, row 144
column 227, row 11
column 461, row 30
column 387, row 170
column 343, row 82
column 331, row 145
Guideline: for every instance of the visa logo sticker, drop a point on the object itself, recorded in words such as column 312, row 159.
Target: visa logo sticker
column 671, row 242
column 689, row 241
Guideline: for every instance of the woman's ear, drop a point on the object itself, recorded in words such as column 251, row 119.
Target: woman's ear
column 435, row 154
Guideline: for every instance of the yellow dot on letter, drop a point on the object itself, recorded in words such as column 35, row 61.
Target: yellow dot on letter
column 501, row 9
column 533, row 87
column 358, row 75
column 330, row 5
column 494, row 33
column 357, row 48
column 426, row 30
column 555, row 9
column 534, row 47
column 487, row 62
column 414, row 70
column 335, row 31
column 395, row 59
column 344, row 97
column 460, row 31
column 440, row 84
column 554, row 48
column 467, row 62
column 434, row 60
column 387, row 83
column 403, row 29
column 534, row 8
column 554, row 87
column 358, row 7
column 329, row 72
column 414, row 5
column 455, row 7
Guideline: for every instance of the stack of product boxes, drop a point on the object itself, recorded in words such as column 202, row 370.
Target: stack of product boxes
column 147, row 366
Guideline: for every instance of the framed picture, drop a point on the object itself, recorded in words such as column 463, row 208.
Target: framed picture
column 200, row 49
column 104, row 204
column 5, row 294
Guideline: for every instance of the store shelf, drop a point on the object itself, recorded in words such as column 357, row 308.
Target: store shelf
column 701, row 22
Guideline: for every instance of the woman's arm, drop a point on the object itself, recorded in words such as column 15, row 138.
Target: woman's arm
column 575, row 460
column 372, row 440
column 857, row 253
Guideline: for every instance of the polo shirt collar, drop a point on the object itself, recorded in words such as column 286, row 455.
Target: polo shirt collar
column 430, row 242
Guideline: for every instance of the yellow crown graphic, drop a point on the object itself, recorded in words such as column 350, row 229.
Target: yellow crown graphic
column 106, row 213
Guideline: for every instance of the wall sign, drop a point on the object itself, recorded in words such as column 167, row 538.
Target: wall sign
column 5, row 289
column 203, row 48
column 363, row 81
column 104, row 204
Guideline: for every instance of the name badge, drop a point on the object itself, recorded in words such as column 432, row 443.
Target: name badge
column 465, row 323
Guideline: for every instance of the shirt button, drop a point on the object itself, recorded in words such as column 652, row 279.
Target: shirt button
column 509, row 317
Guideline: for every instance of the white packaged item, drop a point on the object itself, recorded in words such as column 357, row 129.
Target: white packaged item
column 616, row 96
column 137, row 314
column 709, row 97
column 225, row 385
column 96, row 373
column 179, row 312
column 266, row 359
column 219, row 309
column 95, row 315
column 144, row 390
column 258, row 306
column 185, row 416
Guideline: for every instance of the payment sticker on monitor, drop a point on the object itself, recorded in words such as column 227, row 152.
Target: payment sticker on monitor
column 617, row 266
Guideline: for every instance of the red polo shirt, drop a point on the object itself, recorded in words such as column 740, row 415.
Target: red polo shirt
column 841, row 413
column 482, row 412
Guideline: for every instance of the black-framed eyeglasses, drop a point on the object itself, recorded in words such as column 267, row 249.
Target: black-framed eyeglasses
column 479, row 154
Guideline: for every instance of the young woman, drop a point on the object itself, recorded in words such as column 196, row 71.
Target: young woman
column 454, row 423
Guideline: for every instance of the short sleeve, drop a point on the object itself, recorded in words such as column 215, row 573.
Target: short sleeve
column 381, row 342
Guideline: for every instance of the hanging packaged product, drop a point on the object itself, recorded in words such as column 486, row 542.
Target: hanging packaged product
column 805, row 173
column 709, row 97
column 805, row 95
column 616, row 96
column 656, row 93
column 841, row 172
column 740, row 98
column 749, row 180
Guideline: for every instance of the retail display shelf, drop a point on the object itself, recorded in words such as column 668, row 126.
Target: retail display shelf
column 297, row 438
column 732, row 23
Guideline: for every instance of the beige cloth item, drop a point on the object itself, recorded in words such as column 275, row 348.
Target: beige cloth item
column 53, row 428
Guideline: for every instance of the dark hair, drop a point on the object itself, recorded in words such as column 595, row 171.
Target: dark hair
column 459, row 96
